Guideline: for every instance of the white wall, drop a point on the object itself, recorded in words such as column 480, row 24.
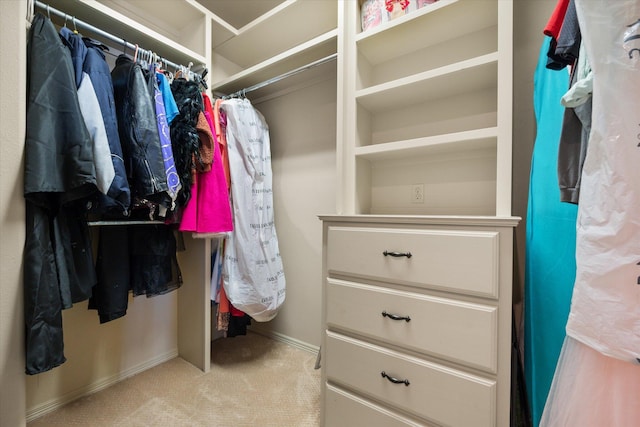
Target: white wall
column 12, row 126
column 302, row 127
column 100, row 355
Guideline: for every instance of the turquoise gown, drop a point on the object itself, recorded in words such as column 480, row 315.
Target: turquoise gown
column 551, row 241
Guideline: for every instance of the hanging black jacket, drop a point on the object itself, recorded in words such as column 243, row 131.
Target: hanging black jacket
column 138, row 129
column 58, row 174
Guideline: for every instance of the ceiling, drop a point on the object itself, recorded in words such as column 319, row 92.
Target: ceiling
column 239, row 13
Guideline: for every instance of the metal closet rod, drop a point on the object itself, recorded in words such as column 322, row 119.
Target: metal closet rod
column 78, row 23
column 272, row 80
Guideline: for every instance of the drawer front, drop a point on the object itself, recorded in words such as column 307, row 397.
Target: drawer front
column 460, row 331
column 344, row 409
column 458, row 261
column 437, row 393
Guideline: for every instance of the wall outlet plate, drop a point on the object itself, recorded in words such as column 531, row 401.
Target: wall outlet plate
column 417, row 193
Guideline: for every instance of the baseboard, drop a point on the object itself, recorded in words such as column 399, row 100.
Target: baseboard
column 293, row 342
column 58, row 402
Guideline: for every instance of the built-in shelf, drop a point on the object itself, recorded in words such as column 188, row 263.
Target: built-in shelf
column 279, row 30
column 460, row 142
column 471, row 75
column 433, row 24
column 298, row 56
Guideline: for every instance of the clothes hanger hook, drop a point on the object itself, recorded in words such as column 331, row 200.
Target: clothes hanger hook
column 49, row 12
column 65, row 20
column 135, row 55
column 75, row 29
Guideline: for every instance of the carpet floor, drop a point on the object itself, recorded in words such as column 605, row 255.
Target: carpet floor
column 253, row 381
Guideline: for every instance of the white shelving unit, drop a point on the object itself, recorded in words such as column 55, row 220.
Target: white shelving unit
column 424, row 101
column 429, row 103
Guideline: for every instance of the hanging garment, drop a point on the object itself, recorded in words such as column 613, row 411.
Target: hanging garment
column 208, row 212
column 173, row 181
column 217, row 289
column 170, row 106
column 553, row 29
column 591, row 388
column 220, row 126
column 55, row 136
column 118, row 198
column 138, row 130
column 214, row 207
column 153, row 264
column 550, row 233
column 253, row 273
column 110, row 296
column 90, row 108
column 220, row 123
column 574, row 141
column 184, row 136
column 605, row 313
column 569, row 39
column 205, row 148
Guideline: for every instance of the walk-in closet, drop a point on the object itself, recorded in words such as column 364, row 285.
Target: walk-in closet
column 399, row 140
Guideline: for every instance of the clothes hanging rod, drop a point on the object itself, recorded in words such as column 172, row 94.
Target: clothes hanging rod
column 85, row 25
column 283, row 76
column 128, row 222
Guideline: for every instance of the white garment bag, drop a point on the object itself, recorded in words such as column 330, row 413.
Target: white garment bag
column 253, row 275
column 605, row 309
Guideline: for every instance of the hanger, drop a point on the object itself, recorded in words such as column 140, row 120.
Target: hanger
column 202, row 79
column 178, row 73
column 75, row 29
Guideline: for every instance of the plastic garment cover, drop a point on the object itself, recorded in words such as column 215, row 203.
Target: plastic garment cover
column 605, row 310
column 253, row 274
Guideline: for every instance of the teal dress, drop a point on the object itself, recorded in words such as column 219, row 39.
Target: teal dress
column 551, row 241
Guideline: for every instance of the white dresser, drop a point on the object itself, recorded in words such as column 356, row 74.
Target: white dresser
column 417, row 318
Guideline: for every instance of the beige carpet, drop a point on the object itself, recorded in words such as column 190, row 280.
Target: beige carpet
column 254, row 381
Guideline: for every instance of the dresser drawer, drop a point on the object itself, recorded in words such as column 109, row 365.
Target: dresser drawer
column 460, row 331
column 344, row 409
column 444, row 395
column 463, row 261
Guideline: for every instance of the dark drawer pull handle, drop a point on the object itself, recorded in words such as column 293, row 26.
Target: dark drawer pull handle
column 397, row 254
column 395, row 316
column 394, row 380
